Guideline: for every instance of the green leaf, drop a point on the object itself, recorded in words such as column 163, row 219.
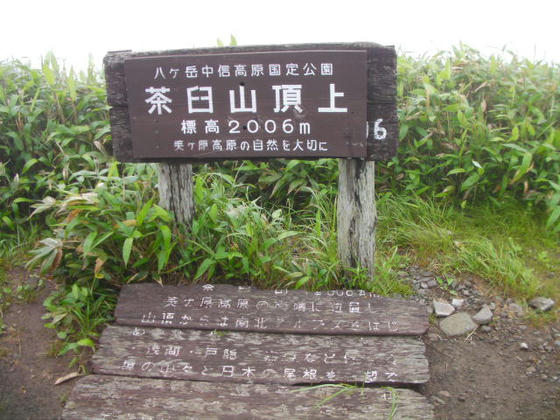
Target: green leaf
column 49, row 74
column 287, row 234
column 524, row 168
column 456, row 171
column 144, row 212
column 403, row 130
column 86, row 342
column 28, row 165
column 553, row 218
column 166, row 234
column 206, row 264
column 89, row 242
column 127, row 247
column 470, row 181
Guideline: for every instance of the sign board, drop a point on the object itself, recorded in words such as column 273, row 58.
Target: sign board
column 294, row 101
column 292, row 104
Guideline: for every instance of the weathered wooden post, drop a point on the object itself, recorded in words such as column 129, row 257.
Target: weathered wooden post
column 356, row 213
column 291, row 101
column 175, row 185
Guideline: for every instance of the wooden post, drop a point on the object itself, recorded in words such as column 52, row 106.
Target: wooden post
column 176, row 190
column 356, row 214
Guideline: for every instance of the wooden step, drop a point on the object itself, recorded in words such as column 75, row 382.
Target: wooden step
column 236, row 308
column 112, row 397
column 260, row 357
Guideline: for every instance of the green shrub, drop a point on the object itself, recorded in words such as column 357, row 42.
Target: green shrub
column 475, row 129
column 53, row 131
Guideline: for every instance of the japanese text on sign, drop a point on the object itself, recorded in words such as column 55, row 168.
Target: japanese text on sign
column 275, row 104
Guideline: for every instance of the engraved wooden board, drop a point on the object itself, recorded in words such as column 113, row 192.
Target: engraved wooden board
column 260, row 357
column 233, row 308
column 100, row 396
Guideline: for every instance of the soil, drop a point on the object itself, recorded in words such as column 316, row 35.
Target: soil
column 27, row 370
column 485, row 375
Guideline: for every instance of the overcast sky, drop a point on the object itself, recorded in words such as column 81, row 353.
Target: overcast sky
column 74, row 29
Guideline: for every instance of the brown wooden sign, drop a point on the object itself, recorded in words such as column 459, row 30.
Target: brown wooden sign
column 240, row 308
column 260, row 358
column 293, row 101
column 111, row 397
column 293, row 104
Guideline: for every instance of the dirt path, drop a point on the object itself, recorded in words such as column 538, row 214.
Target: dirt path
column 27, row 372
column 485, row 376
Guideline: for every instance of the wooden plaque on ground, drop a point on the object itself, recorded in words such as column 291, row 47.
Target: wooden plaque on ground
column 100, row 396
column 259, row 357
column 226, row 307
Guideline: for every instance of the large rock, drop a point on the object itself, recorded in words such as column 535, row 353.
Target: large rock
column 443, row 308
column 484, row 316
column 541, row 303
column 457, row 324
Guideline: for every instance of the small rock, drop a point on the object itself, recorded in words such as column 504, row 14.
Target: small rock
column 530, row 370
column 486, row 328
column 516, row 309
column 457, row 303
column 432, row 283
column 444, row 394
column 424, row 285
column 492, row 306
column 484, row 316
column 457, row 324
column 433, row 337
column 443, row 308
column 438, row 400
column 523, row 346
column 541, row 303
column 557, row 343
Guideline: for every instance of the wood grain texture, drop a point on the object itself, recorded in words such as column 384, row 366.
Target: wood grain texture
column 381, row 94
column 175, row 186
column 356, row 214
column 100, row 397
column 260, row 358
column 196, row 306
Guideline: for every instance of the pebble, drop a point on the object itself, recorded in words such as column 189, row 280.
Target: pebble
column 484, row 316
column 438, row 400
column 516, row 309
column 530, row 370
column 432, row 283
column 457, row 324
column 523, row 346
column 541, row 303
column 486, row 328
column 442, row 309
column 444, row 394
column 424, row 285
column 557, row 343
column 458, row 303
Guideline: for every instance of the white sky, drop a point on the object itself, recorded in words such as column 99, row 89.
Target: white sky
column 74, row 29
